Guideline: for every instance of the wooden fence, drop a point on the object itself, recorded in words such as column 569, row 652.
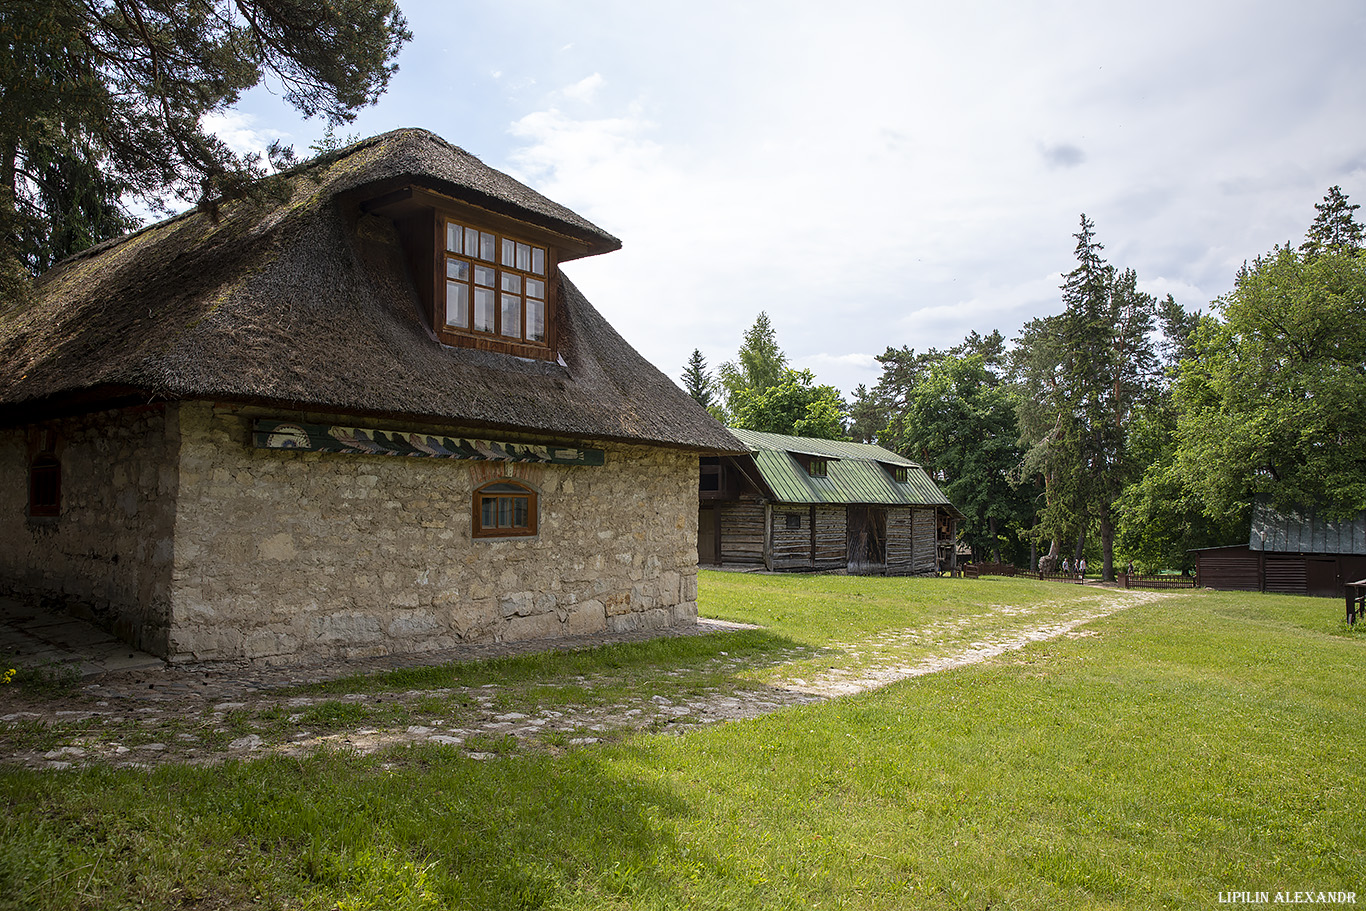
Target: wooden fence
column 1128, row 580
column 1138, row 580
column 973, row 570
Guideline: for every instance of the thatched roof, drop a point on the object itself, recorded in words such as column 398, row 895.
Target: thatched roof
column 300, row 300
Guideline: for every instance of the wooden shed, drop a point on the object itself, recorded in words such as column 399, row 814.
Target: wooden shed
column 1294, row 553
column 804, row 504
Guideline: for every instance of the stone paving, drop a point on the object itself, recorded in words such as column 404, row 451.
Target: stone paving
column 203, row 714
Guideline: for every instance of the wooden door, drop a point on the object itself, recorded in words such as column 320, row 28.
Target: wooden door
column 708, row 540
column 1321, row 577
column 867, row 539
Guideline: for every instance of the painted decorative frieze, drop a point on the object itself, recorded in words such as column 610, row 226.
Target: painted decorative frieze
column 269, row 434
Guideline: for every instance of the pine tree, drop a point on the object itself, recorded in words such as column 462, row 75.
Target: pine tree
column 1334, row 227
column 868, row 415
column 101, row 100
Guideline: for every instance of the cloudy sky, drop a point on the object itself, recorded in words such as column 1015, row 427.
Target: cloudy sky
column 884, row 173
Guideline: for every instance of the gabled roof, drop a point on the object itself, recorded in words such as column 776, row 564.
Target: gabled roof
column 1304, row 531
column 856, row 473
column 300, row 299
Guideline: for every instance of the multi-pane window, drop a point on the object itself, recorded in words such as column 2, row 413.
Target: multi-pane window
column 504, row 508
column 495, row 284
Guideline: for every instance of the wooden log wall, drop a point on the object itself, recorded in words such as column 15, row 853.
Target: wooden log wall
column 832, row 541
column 791, row 537
column 742, row 532
column 900, row 541
column 926, row 546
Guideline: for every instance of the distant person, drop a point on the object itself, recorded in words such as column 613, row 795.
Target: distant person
column 1081, row 569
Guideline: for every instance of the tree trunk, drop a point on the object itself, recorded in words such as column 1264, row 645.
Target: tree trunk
column 995, row 541
column 1107, row 547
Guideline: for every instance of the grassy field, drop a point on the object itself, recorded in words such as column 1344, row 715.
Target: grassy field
column 1193, row 744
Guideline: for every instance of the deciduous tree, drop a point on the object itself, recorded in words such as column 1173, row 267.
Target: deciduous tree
column 1275, row 400
column 958, row 421
column 795, row 406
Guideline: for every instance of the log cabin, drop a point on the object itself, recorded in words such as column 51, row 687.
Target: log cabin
column 801, row 504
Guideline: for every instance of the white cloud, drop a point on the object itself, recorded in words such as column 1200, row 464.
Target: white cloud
column 239, row 132
column 903, row 173
column 584, row 89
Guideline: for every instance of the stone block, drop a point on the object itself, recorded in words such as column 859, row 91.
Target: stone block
column 265, row 643
column 670, row 588
column 345, row 627
column 682, row 614
column 541, row 626
column 412, row 624
column 586, row 618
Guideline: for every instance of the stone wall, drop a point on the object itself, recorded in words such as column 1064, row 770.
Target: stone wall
column 108, row 555
column 282, row 554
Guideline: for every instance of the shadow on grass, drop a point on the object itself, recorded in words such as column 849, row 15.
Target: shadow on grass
column 420, row 827
column 753, row 648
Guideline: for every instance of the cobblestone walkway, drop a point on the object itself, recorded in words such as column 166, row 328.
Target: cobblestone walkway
column 203, row 714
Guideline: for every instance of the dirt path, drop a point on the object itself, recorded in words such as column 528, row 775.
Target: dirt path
column 207, row 717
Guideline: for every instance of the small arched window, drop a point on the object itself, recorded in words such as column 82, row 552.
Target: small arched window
column 504, row 509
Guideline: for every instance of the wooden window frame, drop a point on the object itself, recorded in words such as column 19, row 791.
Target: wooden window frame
column 500, row 235
column 45, row 487
column 518, row 491
column 899, row 474
column 818, row 467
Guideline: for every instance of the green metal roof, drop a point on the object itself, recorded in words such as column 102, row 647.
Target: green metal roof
column 1304, row 531
column 855, row 473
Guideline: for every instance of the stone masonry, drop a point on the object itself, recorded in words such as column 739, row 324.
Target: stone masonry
column 108, row 557
column 274, row 556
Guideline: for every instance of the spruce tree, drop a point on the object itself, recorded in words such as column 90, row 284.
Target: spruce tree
column 760, row 365
column 697, row 382
column 1085, row 372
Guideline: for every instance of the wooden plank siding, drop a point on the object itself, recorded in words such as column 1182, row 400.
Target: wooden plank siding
column 1285, row 574
column 742, row 532
column 815, row 542
column 1229, row 569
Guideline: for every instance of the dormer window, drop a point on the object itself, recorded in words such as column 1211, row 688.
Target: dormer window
column 816, row 468
column 899, row 474
column 495, row 285
column 485, row 279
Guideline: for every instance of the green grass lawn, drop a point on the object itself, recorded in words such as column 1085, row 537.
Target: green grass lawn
column 1195, row 744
